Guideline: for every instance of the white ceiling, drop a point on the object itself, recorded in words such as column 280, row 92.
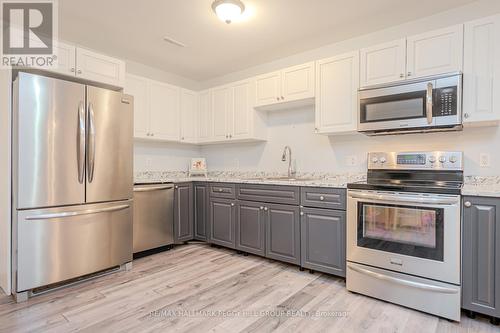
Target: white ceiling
column 134, row 30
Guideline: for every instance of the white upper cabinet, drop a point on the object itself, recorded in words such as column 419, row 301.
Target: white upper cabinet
column 435, row 52
column 482, row 71
column 138, row 87
column 268, row 88
column 164, row 108
column 205, row 116
column 337, row 83
column 66, row 59
column 293, row 85
column 383, row 63
column 221, row 108
column 100, row 68
column 189, row 116
column 297, row 82
column 241, row 121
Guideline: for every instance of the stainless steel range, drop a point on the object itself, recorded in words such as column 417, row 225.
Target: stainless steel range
column 403, row 231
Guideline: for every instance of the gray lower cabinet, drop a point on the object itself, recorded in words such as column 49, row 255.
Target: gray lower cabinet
column 481, row 255
column 250, row 227
column 222, row 222
column 322, row 233
column 183, row 212
column 283, row 233
column 200, row 211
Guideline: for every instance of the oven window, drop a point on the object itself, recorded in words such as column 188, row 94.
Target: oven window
column 408, row 230
column 393, row 107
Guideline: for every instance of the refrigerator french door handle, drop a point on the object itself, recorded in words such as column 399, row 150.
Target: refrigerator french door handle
column 81, row 143
column 77, row 213
column 91, row 144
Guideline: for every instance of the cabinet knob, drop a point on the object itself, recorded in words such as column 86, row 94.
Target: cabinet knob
column 282, row 98
column 321, row 198
column 301, row 213
column 401, row 75
column 409, row 74
column 72, row 69
column 261, row 207
column 467, row 204
column 220, row 190
column 466, row 115
column 176, row 187
column 232, row 204
column 265, row 208
column 79, row 71
column 277, row 98
column 182, row 138
column 152, row 134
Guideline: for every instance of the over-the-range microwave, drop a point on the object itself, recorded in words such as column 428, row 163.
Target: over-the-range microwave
column 420, row 105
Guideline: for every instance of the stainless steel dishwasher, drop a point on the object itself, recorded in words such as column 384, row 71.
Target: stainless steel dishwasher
column 153, row 216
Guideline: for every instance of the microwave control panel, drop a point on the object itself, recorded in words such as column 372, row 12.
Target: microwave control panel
column 445, row 102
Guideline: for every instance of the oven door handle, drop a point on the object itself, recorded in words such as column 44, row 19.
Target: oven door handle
column 404, row 199
column 412, row 284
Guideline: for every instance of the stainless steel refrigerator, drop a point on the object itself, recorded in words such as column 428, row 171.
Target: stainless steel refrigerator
column 72, row 180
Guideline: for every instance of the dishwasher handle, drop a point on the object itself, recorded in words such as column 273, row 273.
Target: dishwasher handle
column 153, row 188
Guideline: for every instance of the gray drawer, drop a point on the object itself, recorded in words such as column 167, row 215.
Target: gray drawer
column 321, row 197
column 281, row 194
column 222, row 190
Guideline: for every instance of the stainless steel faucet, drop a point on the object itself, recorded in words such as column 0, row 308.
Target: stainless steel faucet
column 283, row 158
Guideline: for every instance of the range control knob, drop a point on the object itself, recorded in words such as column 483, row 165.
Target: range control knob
column 375, row 160
column 442, row 159
column 453, row 159
column 432, row 159
column 383, row 160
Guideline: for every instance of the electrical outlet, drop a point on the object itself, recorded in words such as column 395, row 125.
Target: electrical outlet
column 149, row 164
column 484, row 160
column 351, row 160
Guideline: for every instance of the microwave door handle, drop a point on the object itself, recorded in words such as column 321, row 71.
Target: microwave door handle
column 428, row 108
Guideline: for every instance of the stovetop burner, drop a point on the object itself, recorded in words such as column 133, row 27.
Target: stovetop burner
column 423, row 172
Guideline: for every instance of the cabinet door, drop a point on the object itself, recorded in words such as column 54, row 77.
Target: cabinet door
column 189, row 114
column 183, row 212
column 250, row 227
column 298, row 82
column 337, row 83
column 283, row 233
column 482, row 70
column 222, row 222
column 383, row 63
column 100, row 68
column 200, row 211
column 221, row 108
column 241, row 120
column 164, row 106
column 66, row 59
column 323, row 240
column 481, row 255
column 205, row 116
column 268, row 89
column 435, row 52
column 138, row 87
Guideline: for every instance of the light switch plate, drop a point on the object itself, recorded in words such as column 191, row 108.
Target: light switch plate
column 351, row 160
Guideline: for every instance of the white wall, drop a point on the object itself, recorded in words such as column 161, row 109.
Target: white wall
column 149, row 156
column 5, row 184
column 159, row 75
column 314, row 152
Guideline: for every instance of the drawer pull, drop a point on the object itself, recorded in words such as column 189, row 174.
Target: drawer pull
column 321, row 198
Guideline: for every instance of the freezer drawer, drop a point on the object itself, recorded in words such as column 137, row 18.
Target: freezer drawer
column 58, row 244
column 153, row 216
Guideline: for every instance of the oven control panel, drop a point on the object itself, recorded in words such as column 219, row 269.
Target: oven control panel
column 435, row 160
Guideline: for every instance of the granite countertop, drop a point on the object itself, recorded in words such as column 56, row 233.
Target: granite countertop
column 486, row 186
column 482, row 186
column 310, row 179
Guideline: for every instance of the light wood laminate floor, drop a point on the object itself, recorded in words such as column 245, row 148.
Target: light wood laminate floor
column 197, row 288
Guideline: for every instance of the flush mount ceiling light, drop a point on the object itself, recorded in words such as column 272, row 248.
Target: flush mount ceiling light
column 228, row 10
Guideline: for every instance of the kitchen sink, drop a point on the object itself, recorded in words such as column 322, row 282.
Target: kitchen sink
column 284, row 178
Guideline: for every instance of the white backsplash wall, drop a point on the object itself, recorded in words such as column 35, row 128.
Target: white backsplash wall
column 347, row 153
column 156, row 156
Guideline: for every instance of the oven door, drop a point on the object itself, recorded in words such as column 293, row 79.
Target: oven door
column 414, row 233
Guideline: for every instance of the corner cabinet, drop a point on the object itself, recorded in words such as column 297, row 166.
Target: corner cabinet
column 189, row 116
column 337, row 83
column 183, row 212
column 481, row 256
column 482, row 71
column 293, row 86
